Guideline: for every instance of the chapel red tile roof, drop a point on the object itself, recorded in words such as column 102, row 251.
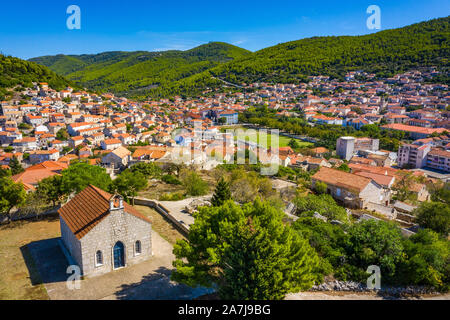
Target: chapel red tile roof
column 88, row 208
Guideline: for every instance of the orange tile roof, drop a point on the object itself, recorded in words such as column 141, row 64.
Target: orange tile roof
column 403, row 127
column 381, row 179
column 341, row 179
column 88, row 208
column 33, row 177
column 320, row 150
column 51, row 165
column 112, row 141
column 355, row 167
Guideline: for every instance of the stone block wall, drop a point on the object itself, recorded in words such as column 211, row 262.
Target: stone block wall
column 116, row 226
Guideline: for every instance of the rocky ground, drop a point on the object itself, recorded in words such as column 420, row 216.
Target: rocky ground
column 350, row 286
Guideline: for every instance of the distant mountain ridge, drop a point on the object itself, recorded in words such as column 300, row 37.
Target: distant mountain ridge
column 17, row 72
column 122, row 72
column 188, row 73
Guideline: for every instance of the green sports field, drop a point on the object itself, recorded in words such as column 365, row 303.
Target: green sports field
column 261, row 137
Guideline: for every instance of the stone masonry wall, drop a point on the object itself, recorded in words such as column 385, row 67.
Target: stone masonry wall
column 72, row 244
column 116, row 226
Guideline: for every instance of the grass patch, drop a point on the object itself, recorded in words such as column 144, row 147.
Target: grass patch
column 156, row 189
column 267, row 138
column 16, row 279
column 161, row 225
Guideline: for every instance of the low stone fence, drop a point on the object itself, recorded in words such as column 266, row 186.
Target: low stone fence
column 405, row 217
column 384, row 210
column 18, row 215
column 351, row 286
column 181, row 226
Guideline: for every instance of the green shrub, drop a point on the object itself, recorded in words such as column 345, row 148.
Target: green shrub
column 320, row 187
column 177, row 196
column 170, row 179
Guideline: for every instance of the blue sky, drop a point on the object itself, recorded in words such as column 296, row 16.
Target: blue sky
column 34, row 28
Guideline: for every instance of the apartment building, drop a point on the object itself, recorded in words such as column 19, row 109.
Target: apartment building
column 413, row 155
column 438, row 159
column 346, row 147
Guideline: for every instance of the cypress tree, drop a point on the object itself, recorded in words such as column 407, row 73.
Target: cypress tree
column 222, row 193
column 15, row 166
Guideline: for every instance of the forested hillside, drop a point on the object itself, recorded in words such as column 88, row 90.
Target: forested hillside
column 143, row 74
column 384, row 53
column 125, row 72
column 16, row 72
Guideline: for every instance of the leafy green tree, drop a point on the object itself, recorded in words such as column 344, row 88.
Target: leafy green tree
column 62, row 135
column 174, row 168
column 441, row 194
column 15, row 166
column 374, row 242
column 434, row 216
column 247, row 252
column 65, row 150
column 427, row 261
column 194, row 184
column 5, row 172
column 323, row 204
column 293, row 143
column 79, row 175
column 320, row 187
column 129, row 183
column 11, row 195
column 150, row 170
column 402, row 187
column 247, row 186
column 51, row 189
column 327, row 239
column 170, row 179
column 372, row 130
column 344, row 167
column 24, row 126
column 221, row 194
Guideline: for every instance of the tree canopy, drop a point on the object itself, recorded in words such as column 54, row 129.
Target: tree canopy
column 11, row 195
column 435, row 216
column 129, row 183
column 247, row 252
column 78, row 176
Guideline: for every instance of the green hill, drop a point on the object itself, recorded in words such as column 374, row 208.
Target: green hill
column 384, row 53
column 187, row 73
column 17, row 72
column 125, row 72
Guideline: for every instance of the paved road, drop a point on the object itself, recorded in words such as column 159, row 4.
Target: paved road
column 148, row 280
column 176, row 208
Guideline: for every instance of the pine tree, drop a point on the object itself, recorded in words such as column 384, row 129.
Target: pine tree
column 15, row 166
column 248, row 252
column 222, row 193
column 294, row 144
